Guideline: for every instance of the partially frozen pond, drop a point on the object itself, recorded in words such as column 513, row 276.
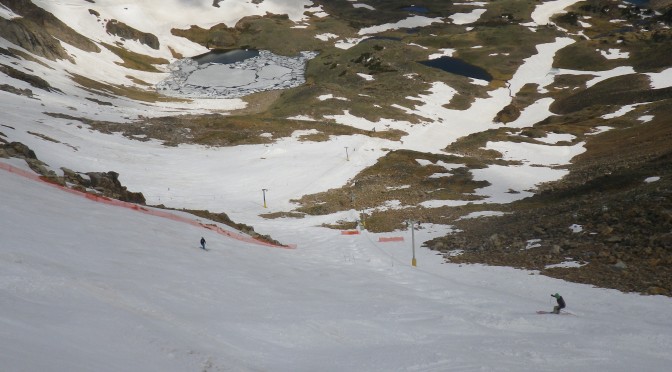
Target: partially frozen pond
column 196, row 78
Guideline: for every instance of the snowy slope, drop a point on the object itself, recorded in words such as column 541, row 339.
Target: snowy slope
column 159, row 17
column 87, row 286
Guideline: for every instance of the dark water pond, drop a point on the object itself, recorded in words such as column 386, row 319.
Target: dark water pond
column 458, row 67
column 226, row 56
column 638, row 2
column 389, row 38
column 415, row 9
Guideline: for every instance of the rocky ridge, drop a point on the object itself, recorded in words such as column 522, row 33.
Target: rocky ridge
column 611, row 219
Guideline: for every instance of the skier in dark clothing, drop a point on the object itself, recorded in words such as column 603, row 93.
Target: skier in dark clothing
column 561, row 303
column 202, row 243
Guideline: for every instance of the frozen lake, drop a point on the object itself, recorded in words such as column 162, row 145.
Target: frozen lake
column 227, row 75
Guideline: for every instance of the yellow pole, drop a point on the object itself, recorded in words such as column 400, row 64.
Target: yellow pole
column 414, row 262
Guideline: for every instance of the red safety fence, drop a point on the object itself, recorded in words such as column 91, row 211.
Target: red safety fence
column 20, row 172
column 142, row 209
column 383, row 239
column 349, row 232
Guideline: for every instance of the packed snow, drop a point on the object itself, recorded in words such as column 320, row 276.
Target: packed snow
column 92, row 286
column 410, row 22
column 467, row 18
column 543, row 12
column 89, row 286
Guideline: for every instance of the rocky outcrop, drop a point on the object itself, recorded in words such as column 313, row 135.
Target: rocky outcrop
column 217, row 37
column 33, row 80
column 35, row 40
column 224, row 219
column 19, row 92
column 508, row 114
column 21, row 151
column 106, row 183
column 125, row 31
column 617, row 228
column 16, row 150
column 39, row 31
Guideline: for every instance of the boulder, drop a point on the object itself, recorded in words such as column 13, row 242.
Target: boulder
column 17, row 150
column 620, row 265
column 657, row 291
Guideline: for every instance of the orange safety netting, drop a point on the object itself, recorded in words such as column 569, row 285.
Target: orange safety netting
column 383, row 239
column 142, row 209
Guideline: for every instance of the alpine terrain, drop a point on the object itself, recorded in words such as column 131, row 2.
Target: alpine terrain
column 335, row 185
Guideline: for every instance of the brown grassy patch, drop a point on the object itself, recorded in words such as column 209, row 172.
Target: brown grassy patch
column 620, row 90
column 110, row 90
column 218, row 130
column 136, row 61
column 399, row 176
column 275, row 215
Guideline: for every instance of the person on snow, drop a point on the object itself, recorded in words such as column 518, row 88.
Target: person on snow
column 561, row 303
column 202, row 243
